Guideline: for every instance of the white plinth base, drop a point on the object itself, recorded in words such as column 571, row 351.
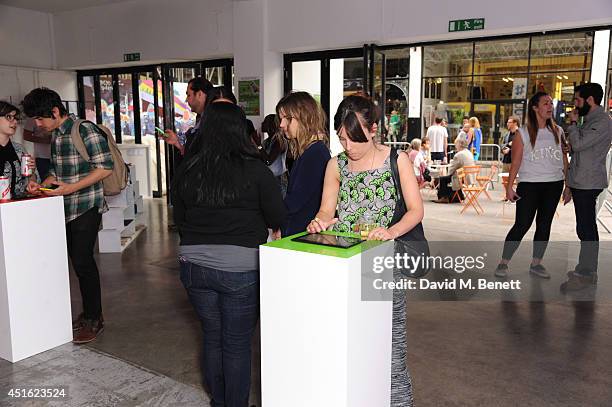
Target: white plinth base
column 34, row 287
column 320, row 344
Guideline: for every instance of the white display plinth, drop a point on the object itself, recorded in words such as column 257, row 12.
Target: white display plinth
column 34, row 287
column 321, row 345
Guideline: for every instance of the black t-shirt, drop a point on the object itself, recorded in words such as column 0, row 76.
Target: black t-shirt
column 244, row 222
column 507, row 158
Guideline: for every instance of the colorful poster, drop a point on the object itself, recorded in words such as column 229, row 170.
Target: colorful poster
column 248, row 96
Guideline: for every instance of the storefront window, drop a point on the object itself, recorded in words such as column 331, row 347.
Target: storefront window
column 561, row 87
column 447, row 98
column 107, row 102
column 448, row 59
column 90, row 98
column 501, row 56
column 497, row 87
column 561, row 52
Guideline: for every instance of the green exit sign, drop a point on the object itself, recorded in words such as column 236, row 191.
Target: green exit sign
column 466, row 25
column 135, row 56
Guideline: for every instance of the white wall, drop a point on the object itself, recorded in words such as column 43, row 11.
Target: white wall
column 16, row 82
column 160, row 30
column 323, row 24
column 25, row 38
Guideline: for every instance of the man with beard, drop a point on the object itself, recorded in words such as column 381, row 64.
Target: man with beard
column 587, row 178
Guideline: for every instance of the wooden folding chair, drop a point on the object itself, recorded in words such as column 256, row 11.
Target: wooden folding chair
column 470, row 194
column 485, row 180
column 460, row 173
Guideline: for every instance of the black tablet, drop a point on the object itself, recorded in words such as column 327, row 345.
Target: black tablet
column 328, row 240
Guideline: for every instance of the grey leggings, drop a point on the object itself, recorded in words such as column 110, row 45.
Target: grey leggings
column 401, row 383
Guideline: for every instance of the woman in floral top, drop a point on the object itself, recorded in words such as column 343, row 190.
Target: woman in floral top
column 359, row 183
column 11, row 152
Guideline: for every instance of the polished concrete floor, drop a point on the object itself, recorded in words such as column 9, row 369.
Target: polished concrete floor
column 460, row 353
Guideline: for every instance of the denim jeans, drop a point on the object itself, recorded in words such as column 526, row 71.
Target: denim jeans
column 227, row 304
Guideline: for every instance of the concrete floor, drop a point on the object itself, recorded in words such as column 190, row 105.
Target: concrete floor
column 460, row 353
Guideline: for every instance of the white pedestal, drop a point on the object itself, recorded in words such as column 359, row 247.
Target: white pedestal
column 140, row 157
column 320, row 344
column 34, row 287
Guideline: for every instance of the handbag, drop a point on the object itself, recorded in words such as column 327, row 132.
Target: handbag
column 412, row 243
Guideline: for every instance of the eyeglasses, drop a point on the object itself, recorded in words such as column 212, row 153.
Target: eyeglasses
column 12, row 116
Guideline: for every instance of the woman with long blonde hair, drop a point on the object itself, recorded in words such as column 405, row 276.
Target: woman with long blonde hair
column 475, row 140
column 304, row 124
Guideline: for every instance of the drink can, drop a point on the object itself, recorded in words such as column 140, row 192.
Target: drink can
column 26, row 170
column 5, row 189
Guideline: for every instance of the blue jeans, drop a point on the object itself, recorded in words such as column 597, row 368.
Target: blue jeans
column 227, row 304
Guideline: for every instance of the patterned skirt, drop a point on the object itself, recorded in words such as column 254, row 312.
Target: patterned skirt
column 401, row 383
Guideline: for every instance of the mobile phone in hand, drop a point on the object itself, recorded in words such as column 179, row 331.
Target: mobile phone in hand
column 49, row 187
column 161, row 132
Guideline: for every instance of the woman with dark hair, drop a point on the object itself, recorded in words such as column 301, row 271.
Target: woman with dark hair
column 225, row 199
column 303, row 122
column 274, row 150
column 360, row 183
column 220, row 94
column 11, row 153
column 541, row 165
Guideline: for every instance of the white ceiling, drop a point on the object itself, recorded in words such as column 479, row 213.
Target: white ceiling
column 56, row 6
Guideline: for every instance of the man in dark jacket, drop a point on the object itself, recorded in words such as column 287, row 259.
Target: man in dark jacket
column 587, row 178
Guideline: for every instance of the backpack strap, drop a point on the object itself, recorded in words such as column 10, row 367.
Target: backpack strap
column 77, row 140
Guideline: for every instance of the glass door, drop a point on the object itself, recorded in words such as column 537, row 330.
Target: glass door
column 329, row 76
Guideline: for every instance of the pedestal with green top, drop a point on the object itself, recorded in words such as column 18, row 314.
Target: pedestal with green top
column 321, row 345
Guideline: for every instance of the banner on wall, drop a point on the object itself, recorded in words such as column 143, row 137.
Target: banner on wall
column 248, row 96
column 519, row 91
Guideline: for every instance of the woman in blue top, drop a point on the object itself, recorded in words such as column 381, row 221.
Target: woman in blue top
column 303, row 122
column 476, row 139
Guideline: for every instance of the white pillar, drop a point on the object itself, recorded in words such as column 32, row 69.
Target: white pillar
column 415, row 81
column 252, row 58
column 599, row 63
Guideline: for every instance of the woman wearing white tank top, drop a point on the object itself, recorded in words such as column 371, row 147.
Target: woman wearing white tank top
column 541, row 165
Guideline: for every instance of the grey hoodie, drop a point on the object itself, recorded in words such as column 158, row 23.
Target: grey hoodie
column 590, row 144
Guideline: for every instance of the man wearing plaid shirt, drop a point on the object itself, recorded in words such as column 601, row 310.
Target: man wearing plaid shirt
column 80, row 183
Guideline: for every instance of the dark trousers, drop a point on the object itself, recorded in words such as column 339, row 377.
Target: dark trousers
column 539, row 200
column 445, row 189
column 81, row 234
column 438, row 155
column 227, row 304
column 42, row 166
column 585, row 202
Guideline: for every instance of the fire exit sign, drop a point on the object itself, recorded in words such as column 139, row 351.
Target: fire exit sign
column 466, row 25
column 135, row 56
